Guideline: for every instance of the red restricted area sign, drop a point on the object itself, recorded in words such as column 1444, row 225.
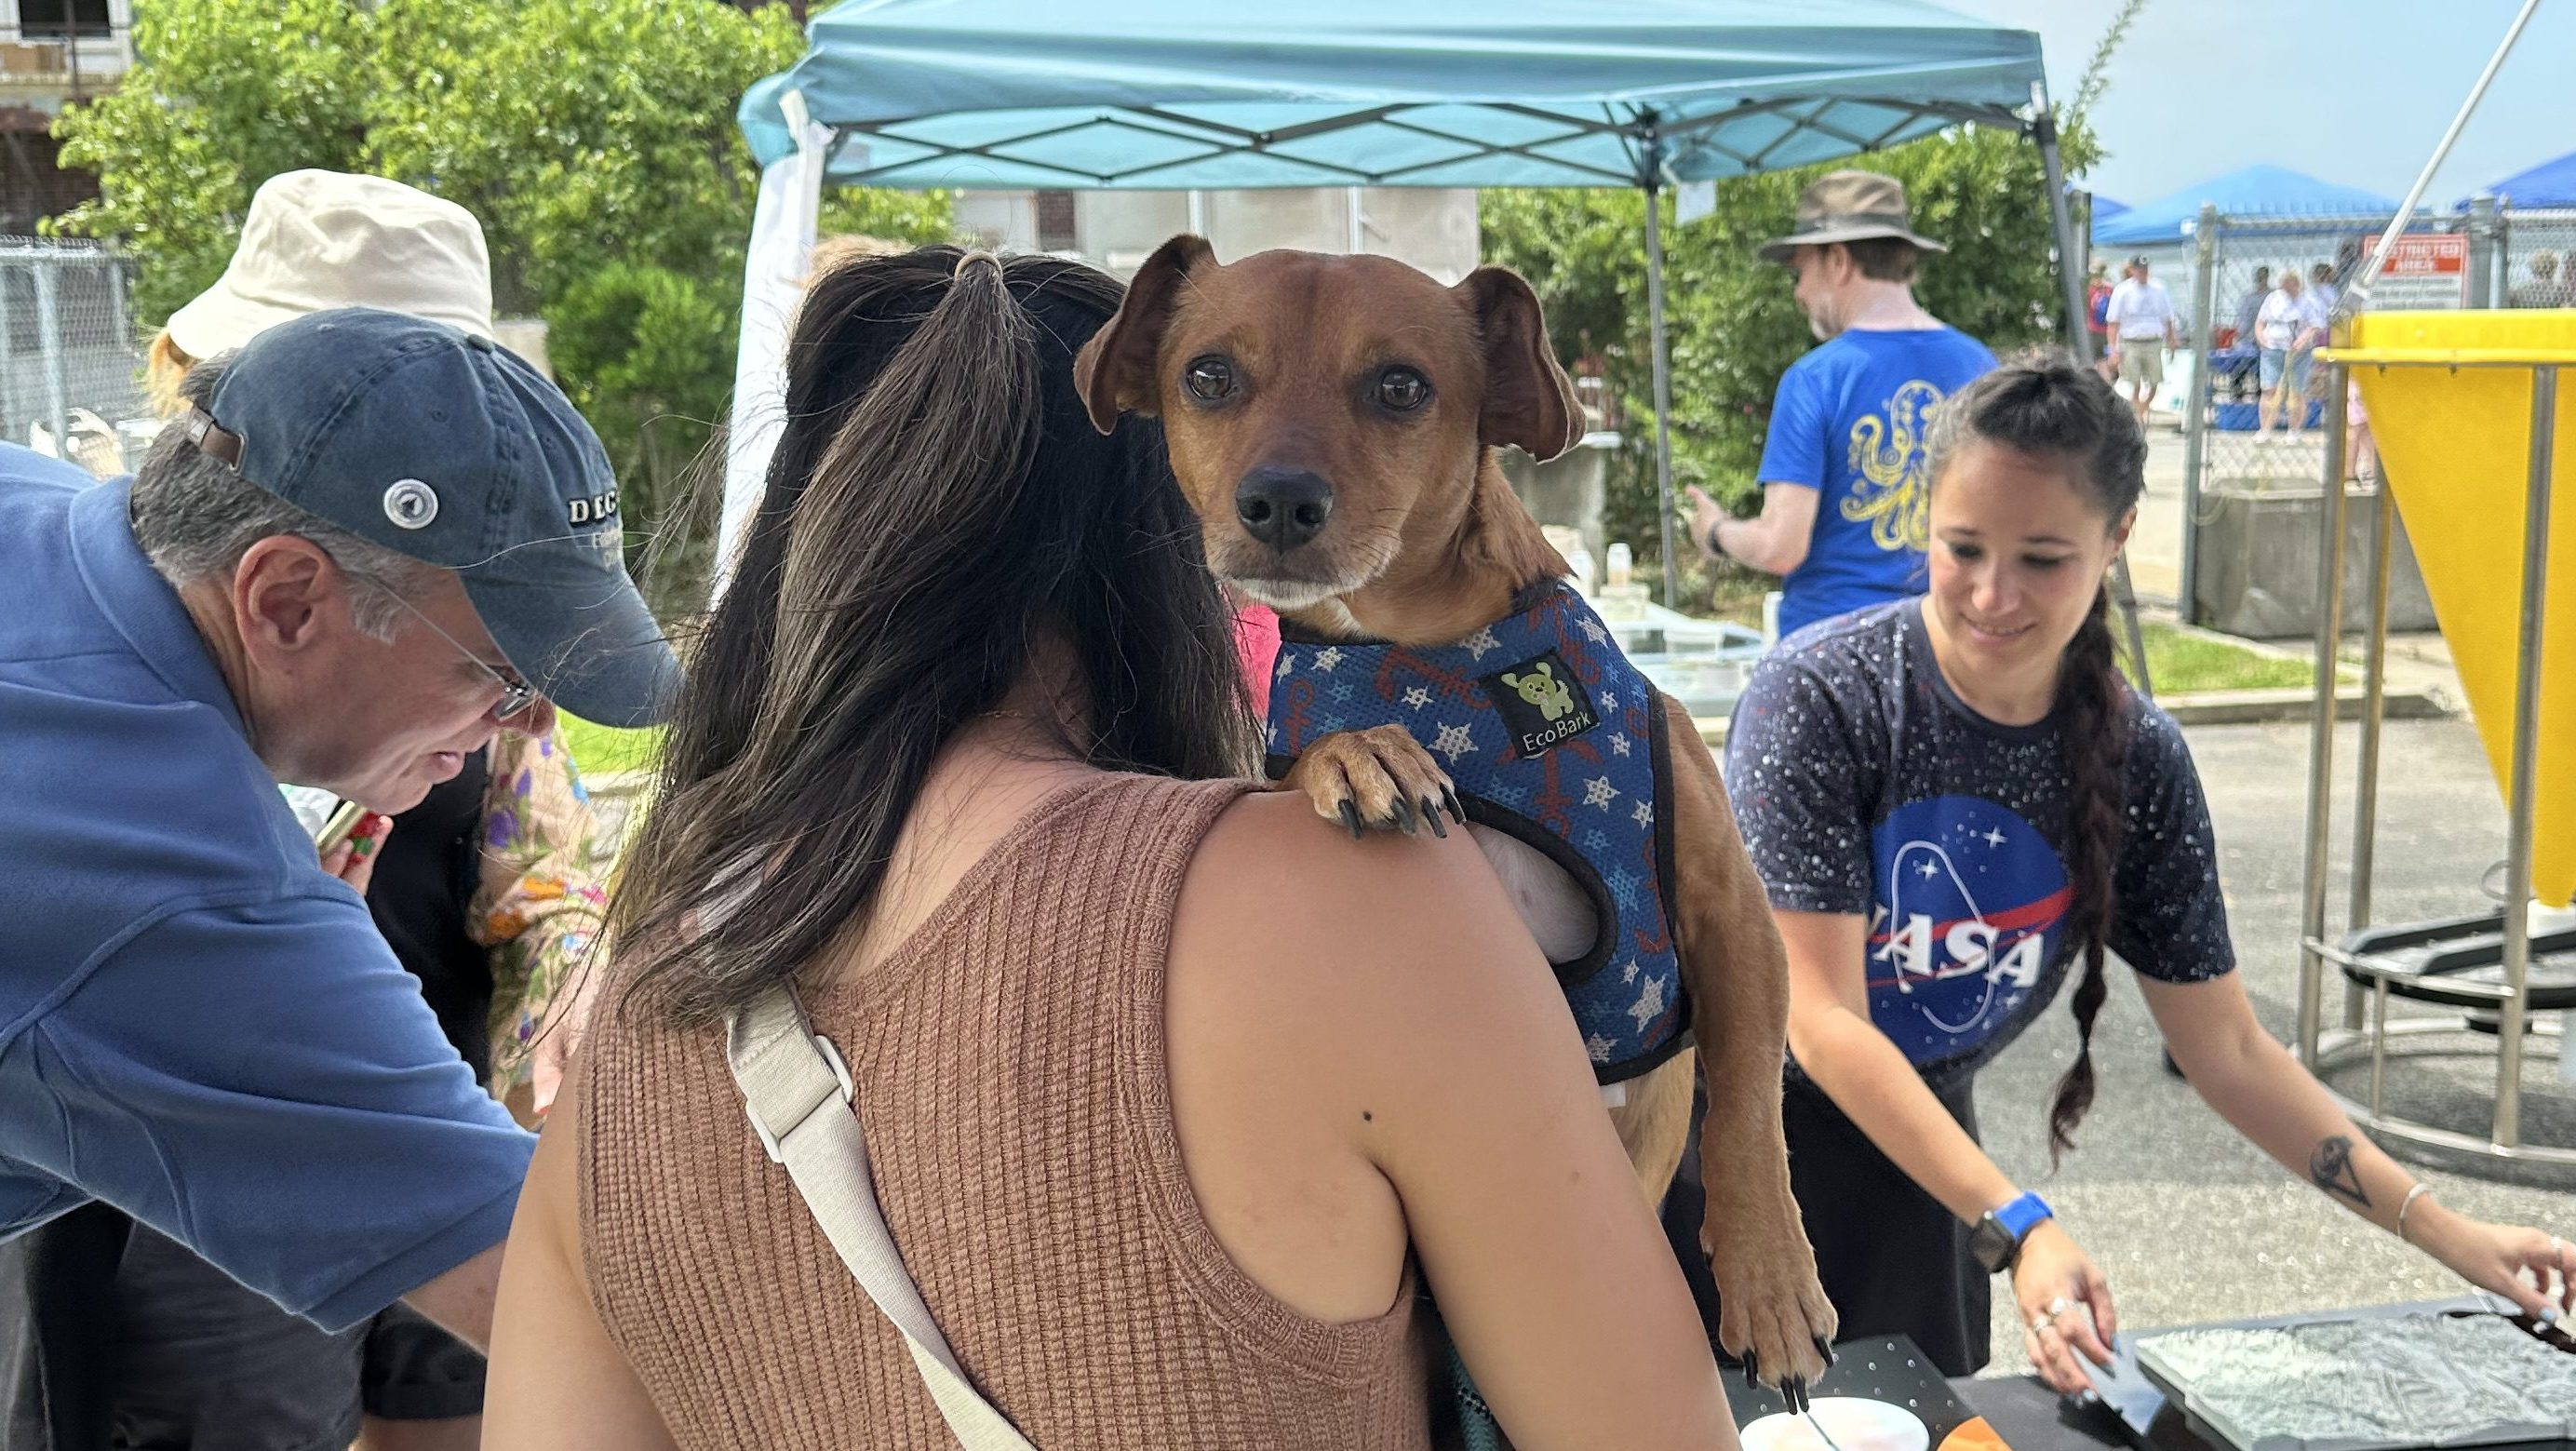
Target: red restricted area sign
column 2427, row 270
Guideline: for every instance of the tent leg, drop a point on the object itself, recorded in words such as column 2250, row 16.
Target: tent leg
column 2079, row 341
column 1663, row 391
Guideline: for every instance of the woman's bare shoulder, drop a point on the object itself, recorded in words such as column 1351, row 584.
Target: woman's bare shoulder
column 1328, row 945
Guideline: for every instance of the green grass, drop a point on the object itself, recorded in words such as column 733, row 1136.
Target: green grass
column 2182, row 663
column 597, row 749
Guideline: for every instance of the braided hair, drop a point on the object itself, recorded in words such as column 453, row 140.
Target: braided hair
column 2050, row 406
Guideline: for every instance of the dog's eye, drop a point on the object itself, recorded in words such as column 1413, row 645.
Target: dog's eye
column 1402, row 390
column 1209, row 379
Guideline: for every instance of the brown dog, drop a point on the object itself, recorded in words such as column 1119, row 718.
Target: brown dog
column 1334, row 422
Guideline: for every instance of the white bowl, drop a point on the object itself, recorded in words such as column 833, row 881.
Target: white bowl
column 1855, row 1424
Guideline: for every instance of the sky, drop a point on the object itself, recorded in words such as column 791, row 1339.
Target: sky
column 2352, row 91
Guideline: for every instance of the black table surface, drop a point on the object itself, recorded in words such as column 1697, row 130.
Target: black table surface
column 2025, row 1411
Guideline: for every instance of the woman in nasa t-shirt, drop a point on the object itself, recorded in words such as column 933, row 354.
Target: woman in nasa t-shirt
column 1957, row 805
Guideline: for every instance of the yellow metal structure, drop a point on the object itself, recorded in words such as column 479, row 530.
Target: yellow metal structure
column 2449, row 396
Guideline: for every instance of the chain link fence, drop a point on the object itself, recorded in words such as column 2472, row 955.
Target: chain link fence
column 70, row 362
column 2255, row 410
column 2535, row 258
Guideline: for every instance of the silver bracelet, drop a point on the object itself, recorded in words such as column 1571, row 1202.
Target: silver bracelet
column 2420, row 1190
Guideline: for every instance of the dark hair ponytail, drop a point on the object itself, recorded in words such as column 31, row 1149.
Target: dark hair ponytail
column 2049, row 405
column 939, row 506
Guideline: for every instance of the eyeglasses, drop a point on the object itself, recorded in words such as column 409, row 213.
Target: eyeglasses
column 516, row 694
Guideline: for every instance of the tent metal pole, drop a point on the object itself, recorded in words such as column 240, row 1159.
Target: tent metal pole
column 1663, row 377
column 2070, row 277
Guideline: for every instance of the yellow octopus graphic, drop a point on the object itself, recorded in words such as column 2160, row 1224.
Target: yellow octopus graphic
column 1887, row 453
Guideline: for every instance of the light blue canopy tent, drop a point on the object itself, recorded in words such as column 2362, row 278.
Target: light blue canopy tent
column 2550, row 184
column 2255, row 191
column 1167, row 95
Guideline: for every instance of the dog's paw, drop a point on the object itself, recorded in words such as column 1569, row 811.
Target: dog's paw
column 1772, row 1310
column 1378, row 778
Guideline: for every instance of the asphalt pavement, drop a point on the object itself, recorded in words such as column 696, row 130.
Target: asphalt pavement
column 2188, row 1220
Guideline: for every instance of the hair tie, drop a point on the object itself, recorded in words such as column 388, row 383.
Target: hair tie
column 970, row 257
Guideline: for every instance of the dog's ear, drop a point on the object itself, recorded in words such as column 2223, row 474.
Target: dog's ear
column 1528, row 399
column 1114, row 372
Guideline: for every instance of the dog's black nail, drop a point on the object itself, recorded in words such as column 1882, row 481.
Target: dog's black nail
column 1794, row 1391
column 1431, row 813
column 1752, row 1368
column 1456, row 810
column 1351, row 819
column 1825, row 1348
column 1404, row 816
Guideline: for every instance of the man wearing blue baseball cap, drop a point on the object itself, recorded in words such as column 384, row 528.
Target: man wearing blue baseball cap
column 373, row 542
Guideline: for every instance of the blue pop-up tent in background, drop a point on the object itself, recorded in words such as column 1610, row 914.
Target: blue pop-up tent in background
column 1179, row 95
column 2550, row 184
column 2255, row 191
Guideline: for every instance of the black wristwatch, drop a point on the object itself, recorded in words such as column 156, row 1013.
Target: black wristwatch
column 1716, row 550
column 1996, row 1240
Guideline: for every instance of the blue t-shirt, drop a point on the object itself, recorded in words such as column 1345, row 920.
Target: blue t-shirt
column 1850, row 421
column 199, row 1025
column 1864, row 785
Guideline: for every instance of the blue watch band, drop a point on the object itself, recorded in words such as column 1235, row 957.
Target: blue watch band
column 2023, row 1214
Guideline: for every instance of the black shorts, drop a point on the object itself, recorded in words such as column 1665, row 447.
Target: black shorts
column 1893, row 1261
column 128, row 1340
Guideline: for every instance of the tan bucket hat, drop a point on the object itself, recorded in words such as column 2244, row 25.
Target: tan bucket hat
column 1849, row 206
column 323, row 239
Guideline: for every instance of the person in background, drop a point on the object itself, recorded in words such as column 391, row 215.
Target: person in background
column 2321, row 287
column 2287, row 329
column 1957, row 805
column 2546, row 288
column 2097, row 315
column 2144, row 329
column 2242, row 384
column 487, row 892
column 2251, row 304
column 1842, row 463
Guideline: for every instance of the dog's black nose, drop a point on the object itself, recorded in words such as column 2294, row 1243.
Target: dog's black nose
column 1283, row 508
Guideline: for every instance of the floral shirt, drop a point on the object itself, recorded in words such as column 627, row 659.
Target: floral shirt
column 539, row 905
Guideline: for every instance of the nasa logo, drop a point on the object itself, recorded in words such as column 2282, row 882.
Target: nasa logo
column 1970, row 903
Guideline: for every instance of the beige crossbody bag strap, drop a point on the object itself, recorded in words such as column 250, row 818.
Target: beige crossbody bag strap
column 797, row 1091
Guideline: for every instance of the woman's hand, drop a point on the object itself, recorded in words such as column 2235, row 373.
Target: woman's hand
column 354, row 859
column 2065, row 1307
column 2494, row 1257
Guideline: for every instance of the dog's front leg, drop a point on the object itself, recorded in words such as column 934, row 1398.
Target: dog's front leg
column 1380, row 777
column 1772, row 1310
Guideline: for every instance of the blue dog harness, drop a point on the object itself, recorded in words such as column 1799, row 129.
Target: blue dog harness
column 1554, row 738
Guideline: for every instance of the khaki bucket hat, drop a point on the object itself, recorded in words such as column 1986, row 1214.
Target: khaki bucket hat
column 1849, row 206
column 316, row 240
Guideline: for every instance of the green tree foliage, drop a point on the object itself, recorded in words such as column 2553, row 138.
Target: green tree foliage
column 1732, row 324
column 594, row 139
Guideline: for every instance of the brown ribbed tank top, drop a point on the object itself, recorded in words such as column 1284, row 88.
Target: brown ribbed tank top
column 1009, row 1062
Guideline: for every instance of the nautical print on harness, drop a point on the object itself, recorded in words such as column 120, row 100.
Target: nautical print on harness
column 1554, row 738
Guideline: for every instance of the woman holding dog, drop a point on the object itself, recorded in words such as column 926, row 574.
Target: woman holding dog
column 1175, row 1102
column 1956, row 804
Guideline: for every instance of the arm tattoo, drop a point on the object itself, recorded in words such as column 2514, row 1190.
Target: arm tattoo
column 2330, row 1168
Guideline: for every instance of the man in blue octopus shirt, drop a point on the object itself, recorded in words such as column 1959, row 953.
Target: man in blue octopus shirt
column 1842, row 465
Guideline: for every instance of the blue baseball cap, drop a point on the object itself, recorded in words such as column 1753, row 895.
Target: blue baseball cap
column 449, row 449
